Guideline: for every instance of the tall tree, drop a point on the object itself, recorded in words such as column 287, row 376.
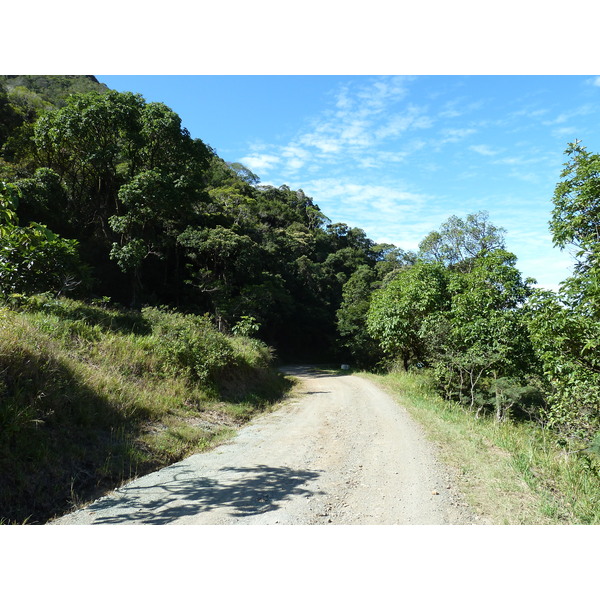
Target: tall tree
column 398, row 309
column 460, row 241
column 564, row 326
column 482, row 337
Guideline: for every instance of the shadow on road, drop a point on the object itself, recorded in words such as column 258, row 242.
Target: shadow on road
column 251, row 491
column 310, row 371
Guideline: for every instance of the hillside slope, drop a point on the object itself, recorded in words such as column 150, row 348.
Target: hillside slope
column 91, row 396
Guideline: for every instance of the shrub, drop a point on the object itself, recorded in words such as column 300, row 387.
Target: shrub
column 191, row 345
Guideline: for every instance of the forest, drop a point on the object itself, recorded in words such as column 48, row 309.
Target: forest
column 106, row 199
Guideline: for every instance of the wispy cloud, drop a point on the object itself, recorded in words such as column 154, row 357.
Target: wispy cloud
column 565, row 116
column 364, row 195
column 388, row 213
column 484, row 150
column 456, row 135
column 565, row 132
column 260, row 162
column 295, row 156
column 411, row 118
column 364, row 116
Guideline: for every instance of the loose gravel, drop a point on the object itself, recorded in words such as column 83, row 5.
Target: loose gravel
column 339, row 451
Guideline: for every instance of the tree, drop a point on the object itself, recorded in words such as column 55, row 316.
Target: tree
column 459, row 242
column 398, row 309
column 10, row 118
column 564, row 326
column 567, row 342
column 482, row 337
column 91, row 144
column 352, row 318
column 33, row 259
column 576, row 221
column 132, row 180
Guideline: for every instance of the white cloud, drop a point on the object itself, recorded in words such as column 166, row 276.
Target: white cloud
column 483, row 149
column 363, row 117
column 401, row 122
column 385, row 213
column 563, row 117
column 530, row 112
column 565, row 132
column 257, row 162
column 376, row 96
column 321, row 141
column 509, row 160
column 343, row 101
column 295, row 156
column 363, row 193
column 455, row 135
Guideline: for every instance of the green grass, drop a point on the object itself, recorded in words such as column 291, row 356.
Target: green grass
column 91, row 397
column 510, row 472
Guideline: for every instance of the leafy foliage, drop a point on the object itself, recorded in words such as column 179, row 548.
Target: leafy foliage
column 564, row 326
column 482, row 337
column 32, row 258
column 398, row 310
column 459, row 242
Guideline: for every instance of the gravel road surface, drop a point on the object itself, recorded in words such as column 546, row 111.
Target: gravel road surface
column 339, row 451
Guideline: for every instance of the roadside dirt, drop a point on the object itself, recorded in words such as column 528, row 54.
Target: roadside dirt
column 340, row 451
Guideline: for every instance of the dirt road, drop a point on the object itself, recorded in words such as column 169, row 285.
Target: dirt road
column 340, row 451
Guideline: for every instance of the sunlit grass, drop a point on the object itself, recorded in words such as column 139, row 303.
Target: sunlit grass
column 90, row 397
column 510, row 472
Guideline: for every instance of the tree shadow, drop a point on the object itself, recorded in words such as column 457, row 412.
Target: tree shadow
column 244, row 491
column 311, row 371
column 59, row 437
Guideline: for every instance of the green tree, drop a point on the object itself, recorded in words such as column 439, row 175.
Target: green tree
column 459, row 242
column 33, row 259
column 567, row 342
column 91, row 144
column 576, row 222
column 398, row 309
column 564, row 325
column 132, row 181
column 352, row 318
column 10, row 118
column 482, row 337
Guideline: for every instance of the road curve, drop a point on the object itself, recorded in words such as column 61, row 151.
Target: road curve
column 339, row 451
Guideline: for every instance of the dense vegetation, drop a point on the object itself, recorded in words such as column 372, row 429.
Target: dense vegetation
column 91, row 395
column 106, row 199
column 158, row 218
column 493, row 342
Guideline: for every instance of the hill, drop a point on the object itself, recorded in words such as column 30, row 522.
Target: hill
column 53, row 89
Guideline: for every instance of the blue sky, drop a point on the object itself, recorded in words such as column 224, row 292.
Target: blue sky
column 396, row 156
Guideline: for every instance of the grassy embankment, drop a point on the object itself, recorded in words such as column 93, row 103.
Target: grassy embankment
column 92, row 396
column 512, row 473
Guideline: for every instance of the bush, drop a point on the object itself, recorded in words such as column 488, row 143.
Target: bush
column 191, row 345
column 33, row 258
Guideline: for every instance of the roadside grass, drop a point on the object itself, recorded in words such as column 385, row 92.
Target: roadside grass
column 511, row 473
column 93, row 396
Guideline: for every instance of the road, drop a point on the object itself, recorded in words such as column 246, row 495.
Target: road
column 339, row 451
